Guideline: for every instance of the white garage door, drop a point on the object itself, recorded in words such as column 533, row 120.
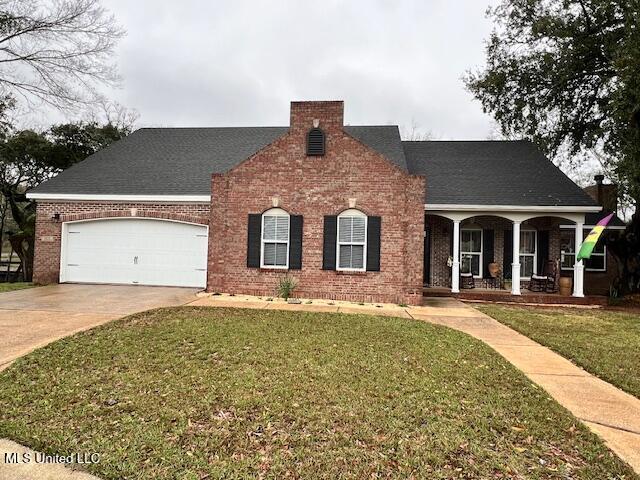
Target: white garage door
column 134, row 251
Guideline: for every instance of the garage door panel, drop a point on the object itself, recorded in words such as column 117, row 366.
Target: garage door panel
column 136, row 251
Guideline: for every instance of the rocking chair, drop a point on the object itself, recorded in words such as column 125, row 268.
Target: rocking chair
column 547, row 282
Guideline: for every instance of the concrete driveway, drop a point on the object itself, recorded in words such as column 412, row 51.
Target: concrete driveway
column 34, row 317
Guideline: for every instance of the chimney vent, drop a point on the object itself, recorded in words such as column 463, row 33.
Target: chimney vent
column 599, row 179
column 315, row 142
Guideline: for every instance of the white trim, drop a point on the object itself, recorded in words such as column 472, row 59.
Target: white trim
column 120, row 198
column 480, row 253
column 84, row 220
column 529, row 228
column 591, row 227
column 352, row 212
column 578, row 267
column 597, row 270
column 511, row 208
column 515, row 258
column 275, row 212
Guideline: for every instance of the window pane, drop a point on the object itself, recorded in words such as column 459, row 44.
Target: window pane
column 526, row 262
column 470, row 264
column 476, row 241
column 465, row 263
column 566, row 241
column 269, row 255
column 269, row 228
column 471, row 241
column 351, row 256
column 568, row 259
column 465, row 243
column 345, row 256
column 527, row 242
column 359, row 233
column 282, row 228
column 357, row 256
column 475, row 265
column 596, row 262
column 281, row 254
column 275, row 255
column 344, row 227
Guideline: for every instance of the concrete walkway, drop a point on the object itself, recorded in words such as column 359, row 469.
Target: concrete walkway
column 609, row 412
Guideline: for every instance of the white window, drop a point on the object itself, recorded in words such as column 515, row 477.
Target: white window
column 352, row 240
column 598, row 260
column 528, row 243
column 275, row 239
column 471, row 251
column 567, row 249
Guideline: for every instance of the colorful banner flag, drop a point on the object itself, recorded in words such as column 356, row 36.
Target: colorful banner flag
column 591, row 240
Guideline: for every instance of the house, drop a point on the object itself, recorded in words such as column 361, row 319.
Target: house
column 352, row 212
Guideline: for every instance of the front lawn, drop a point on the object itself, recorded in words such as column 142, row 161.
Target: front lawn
column 605, row 343
column 8, row 287
column 193, row 393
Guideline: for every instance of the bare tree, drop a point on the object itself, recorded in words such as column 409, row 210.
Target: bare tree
column 414, row 133
column 107, row 112
column 56, row 51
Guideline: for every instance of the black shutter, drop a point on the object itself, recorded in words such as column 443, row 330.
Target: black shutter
column 543, row 250
column 295, row 242
column 330, row 239
column 373, row 244
column 487, row 252
column 508, row 253
column 254, row 231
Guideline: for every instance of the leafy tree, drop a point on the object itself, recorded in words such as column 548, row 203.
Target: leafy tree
column 28, row 158
column 566, row 74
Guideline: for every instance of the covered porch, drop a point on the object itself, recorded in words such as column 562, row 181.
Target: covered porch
column 494, row 252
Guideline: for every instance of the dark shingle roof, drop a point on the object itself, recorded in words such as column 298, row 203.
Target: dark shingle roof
column 162, row 161
column 383, row 139
column 180, row 161
column 594, row 218
column 491, row 173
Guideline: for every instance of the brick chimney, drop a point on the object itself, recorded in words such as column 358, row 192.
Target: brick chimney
column 326, row 115
column 605, row 194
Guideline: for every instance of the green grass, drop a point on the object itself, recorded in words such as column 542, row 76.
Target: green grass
column 604, row 343
column 230, row 393
column 8, row 287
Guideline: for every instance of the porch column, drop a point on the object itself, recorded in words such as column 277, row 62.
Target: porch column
column 455, row 267
column 578, row 268
column 515, row 266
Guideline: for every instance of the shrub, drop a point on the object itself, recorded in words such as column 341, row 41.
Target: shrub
column 286, row 286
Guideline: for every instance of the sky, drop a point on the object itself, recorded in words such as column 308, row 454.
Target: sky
column 240, row 62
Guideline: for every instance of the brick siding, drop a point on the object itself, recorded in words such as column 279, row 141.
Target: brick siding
column 313, row 187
